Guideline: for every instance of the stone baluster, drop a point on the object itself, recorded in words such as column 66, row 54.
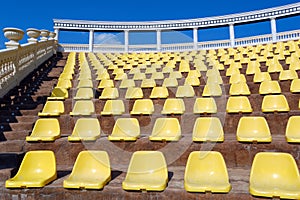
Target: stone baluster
column 14, row 35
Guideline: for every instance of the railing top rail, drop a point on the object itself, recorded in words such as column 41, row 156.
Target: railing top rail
column 244, row 17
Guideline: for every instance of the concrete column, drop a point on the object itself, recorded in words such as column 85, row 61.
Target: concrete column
column 91, row 40
column 56, row 31
column 195, row 37
column 231, row 33
column 126, row 40
column 158, row 40
column 273, row 29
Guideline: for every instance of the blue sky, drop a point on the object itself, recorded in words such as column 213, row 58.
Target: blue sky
column 40, row 14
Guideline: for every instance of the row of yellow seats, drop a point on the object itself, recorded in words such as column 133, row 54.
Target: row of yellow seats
column 250, row 129
column 273, row 174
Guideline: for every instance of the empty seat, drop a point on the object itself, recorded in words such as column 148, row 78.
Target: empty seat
column 63, row 83
column 236, row 104
column 148, row 83
column 239, row 89
column 274, row 174
column 84, row 94
column 38, row 168
column 166, row 129
column 173, row 106
column 175, row 74
column 295, row 86
column 170, row 82
column 159, row 92
column 106, row 83
column 52, row 108
column 113, row 107
column 109, row 93
column 83, row 107
column 292, row 132
column 157, row 76
column 147, row 170
column 125, row 129
column 139, row 76
column 134, row 93
column 91, row 171
column 237, row 78
column 261, row 76
column 85, row 129
column 275, row 103
column 59, row 94
column 193, row 81
column 142, row 107
column 126, row 83
column 102, row 76
column 253, row 129
column 206, row 171
column 214, row 79
column 184, row 66
column 205, row 105
column 269, row 87
column 185, row 91
column 212, row 90
column 288, row 75
column 44, row 130
column 208, row 129
column 85, row 84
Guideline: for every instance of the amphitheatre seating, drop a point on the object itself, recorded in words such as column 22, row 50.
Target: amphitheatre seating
column 148, row 83
column 147, row 170
column 275, row 103
column 206, row 171
column 52, row 108
column 269, row 87
column 91, row 171
column 38, row 168
column 205, row 105
column 236, row 104
column 134, row 93
column 84, row 94
column 47, row 129
column 83, row 107
column 295, row 86
column 142, row 107
column 166, row 129
column 274, row 174
column 208, row 129
column 85, row 83
column 126, row 83
column 106, row 83
column 292, row 133
column 113, row 107
column 109, row 93
column 237, row 89
column 59, row 94
column 173, row 106
column 86, row 129
column 185, row 91
column 212, row 90
column 159, row 93
column 125, row 129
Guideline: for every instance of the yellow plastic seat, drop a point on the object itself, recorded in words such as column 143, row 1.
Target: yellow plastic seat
column 274, row 66
column 261, row 76
column 237, row 104
column 194, row 74
column 148, row 83
column 85, row 76
column 252, row 68
column 125, row 129
column 214, row 80
column 211, row 90
column 173, row 106
column 269, row 87
column 150, row 70
column 52, row 108
column 275, row 103
column 239, row 89
column 85, row 129
column 142, row 107
column 91, row 171
column 109, row 93
column 274, row 174
column 134, row 93
column 175, row 74
column 253, row 129
column 83, row 107
column 166, row 129
column 159, row 92
column 288, row 75
column 185, row 91
column 292, row 132
column 139, row 76
column 193, row 81
column 205, row 105
column 38, row 168
column 206, row 171
column 157, row 76
column 106, row 83
column 66, row 76
column 84, row 94
column 102, row 76
column 127, row 83
column 85, row 84
column 46, row 130
column 170, row 82
column 59, row 94
column 237, row 78
column 184, row 66
column 295, row 86
column 120, row 76
column 208, row 129
column 232, row 70
column 113, row 107
column 62, row 83
column 147, row 170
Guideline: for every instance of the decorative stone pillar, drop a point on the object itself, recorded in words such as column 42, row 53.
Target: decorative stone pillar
column 91, row 41
column 45, row 35
column 273, row 29
column 14, row 35
column 195, row 38
column 126, row 40
column 231, row 34
column 158, row 40
column 33, row 34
